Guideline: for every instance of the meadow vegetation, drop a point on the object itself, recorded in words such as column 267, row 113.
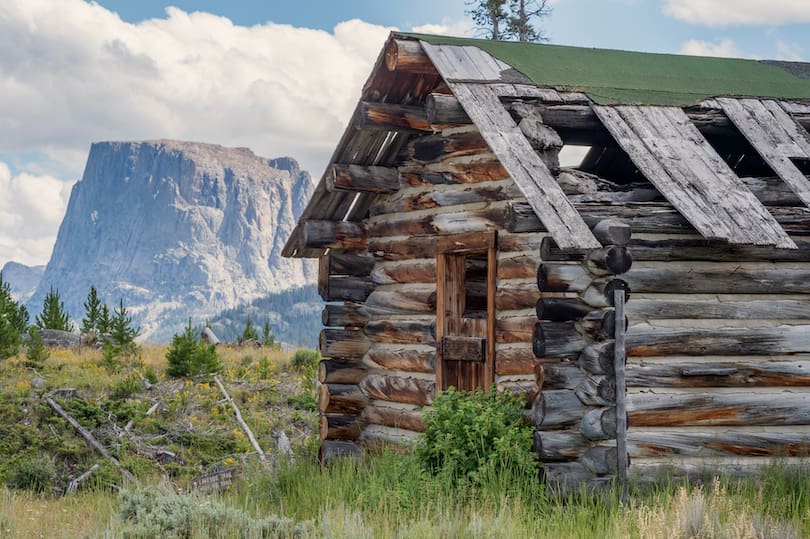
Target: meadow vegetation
column 475, row 482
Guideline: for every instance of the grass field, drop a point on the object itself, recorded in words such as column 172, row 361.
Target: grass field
column 387, row 495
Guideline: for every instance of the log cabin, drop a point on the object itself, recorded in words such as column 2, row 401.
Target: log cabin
column 623, row 238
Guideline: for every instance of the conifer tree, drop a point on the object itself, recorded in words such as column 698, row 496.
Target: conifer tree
column 53, row 315
column 104, row 324
column 250, row 333
column 268, row 339
column 121, row 329
column 92, row 313
column 501, row 20
column 13, row 321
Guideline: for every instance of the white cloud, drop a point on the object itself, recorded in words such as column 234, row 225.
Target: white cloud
column 738, row 12
column 463, row 28
column 789, row 51
column 72, row 72
column 724, row 48
column 31, row 208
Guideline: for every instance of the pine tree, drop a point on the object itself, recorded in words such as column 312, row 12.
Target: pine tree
column 53, row 315
column 92, row 313
column 523, row 12
column 104, row 324
column 268, row 339
column 250, row 333
column 13, row 321
column 490, row 17
column 189, row 356
column 121, row 329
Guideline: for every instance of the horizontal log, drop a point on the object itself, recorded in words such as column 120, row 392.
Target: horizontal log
column 332, row 371
column 701, row 278
column 367, row 179
column 444, row 147
column 731, row 409
column 567, row 474
column 599, row 424
column 671, row 248
column 647, row 340
column 408, row 299
column 643, row 217
column 601, row 460
column 356, row 264
column 481, row 167
column 430, row 197
column 343, row 343
column 445, row 109
column 340, row 427
column 601, row 292
column 402, row 418
column 525, row 388
column 419, row 270
column 407, row 56
column 401, row 331
column 551, row 252
column 610, row 260
column 399, row 389
column 452, row 222
column 516, row 295
column 612, row 232
column 597, row 391
column 331, row 451
column 598, row 358
column 773, row 308
column 344, row 399
column 562, row 375
column 601, row 324
column 353, row 315
column 515, row 329
column 714, row 443
column 408, row 359
column 379, row 437
column 345, row 288
column 558, row 340
column 563, row 278
column 561, row 309
column 737, row 373
column 654, row 471
column 514, row 360
column 338, row 235
column 560, row 446
column 390, row 117
column 557, row 408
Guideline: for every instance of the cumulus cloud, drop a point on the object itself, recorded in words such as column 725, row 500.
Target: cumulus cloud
column 72, row 72
column 31, row 208
column 738, row 12
column 724, row 48
column 463, row 28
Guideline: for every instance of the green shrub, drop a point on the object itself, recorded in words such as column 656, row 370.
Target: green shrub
column 35, row 474
column 305, row 360
column 150, row 375
column 150, row 513
column 13, row 321
column 473, row 435
column 126, row 387
column 190, row 356
column 35, row 353
column 250, row 333
column 54, row 315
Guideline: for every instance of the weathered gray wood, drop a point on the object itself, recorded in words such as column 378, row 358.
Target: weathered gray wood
column 552, row 277
column 559, row 446
column 332, row 371
column 338, row 235
column 556, row 408
column 647, row 340
column 605, row 460
column 774, row 308
column 407, row 56
column 775, row 136
column 330, row 451
column 599, row 424
column 567, row 474
column 597, row 391
column 598, row 358
column 562, row 375
column 557, row 340
column 353, row 315
column 404, row 299
column 527, row 170
column 414, row 331
column 390, row 117
column 242, row 423
column 445, row 109
column 358, row 264
column 340, row 427
column 429, row 197
column 458, row 348
column 344, row 399
column 713, row 408
column 561, row 309
column 419, row 358
column 611, row 260
column 345, row 288
column 600, row 293
column 676, row 158
column 712, row 443
column 718, row 279
column 388, row 416
column 466, row 63
column 780, row 371
column 601, row 324
column 399, row 389
column 370, row 179
column 612, row 232
column 344, row 344
column 653, row 217
column 620, row 384
column 674, row 248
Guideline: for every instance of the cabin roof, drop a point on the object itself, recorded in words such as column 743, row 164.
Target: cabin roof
column 611, row 77
column 638, row 98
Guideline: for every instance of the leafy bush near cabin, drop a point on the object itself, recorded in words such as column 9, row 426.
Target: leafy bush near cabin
column 35, row 473
column 473, row 435
column 305, row 360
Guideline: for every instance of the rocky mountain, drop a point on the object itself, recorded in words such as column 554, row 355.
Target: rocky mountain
column 22, row 279
column 177, row 229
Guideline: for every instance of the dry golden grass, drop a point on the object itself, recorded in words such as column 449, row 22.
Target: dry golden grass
column 28, row 515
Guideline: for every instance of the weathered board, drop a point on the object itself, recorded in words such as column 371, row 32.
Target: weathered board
column 676, row 158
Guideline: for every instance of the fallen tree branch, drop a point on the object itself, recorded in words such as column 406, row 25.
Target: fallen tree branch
column 149, row 412
column 89, row 438
column 73, row 485
column 241, row 421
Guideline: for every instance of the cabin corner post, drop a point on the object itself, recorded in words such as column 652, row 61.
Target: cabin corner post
column 577, row 412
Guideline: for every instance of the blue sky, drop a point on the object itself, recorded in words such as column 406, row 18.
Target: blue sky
column 281, row 78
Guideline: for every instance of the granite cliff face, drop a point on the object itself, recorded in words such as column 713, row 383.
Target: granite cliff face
column 22, row 279
column 177, row 229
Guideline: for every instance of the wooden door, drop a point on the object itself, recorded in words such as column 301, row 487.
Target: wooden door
column 465, row 311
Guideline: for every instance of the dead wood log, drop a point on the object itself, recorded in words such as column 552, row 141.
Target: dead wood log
column 408, row 358
column 345, row 399
column 367, row 179
column 599, row 424
column 241, row 421
column 597, row 391
column 333, row 371
column 719, row 279
column 612, row 232
column 777, row 371
column 417, row 331
column 563, row 278
column 407, row 56
column 89, row 438
column 714, row 443
column 611, row 260
column 345, row 288
column 601, row 292
column 398, row 389
column 330, row 451
column 558, row 340
column 388, row 416
column 338, row 235
column 597, row 358
column 560, row 446
column 344, row 344
column 557, row 408
column 674, row 248
column 340, row 427
column 352, row 315
column 561, row 309
column 390, row 117
column 774, row 308
column 730, row 409
column 74, row 484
